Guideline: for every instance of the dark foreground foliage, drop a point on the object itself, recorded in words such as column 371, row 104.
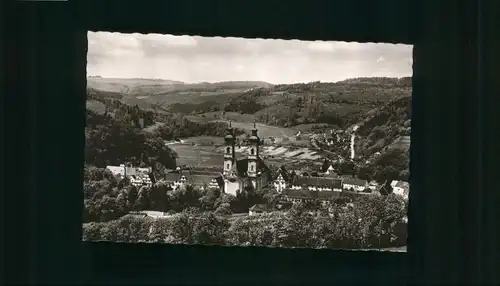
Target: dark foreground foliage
column 374, row 222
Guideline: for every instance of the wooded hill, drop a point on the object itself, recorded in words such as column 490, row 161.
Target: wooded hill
column 380, row 106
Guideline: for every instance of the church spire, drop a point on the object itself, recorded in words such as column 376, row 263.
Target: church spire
column 229, row 149
column 254, row 139
column 253, row 155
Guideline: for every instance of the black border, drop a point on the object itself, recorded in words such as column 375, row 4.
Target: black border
column 47, row 76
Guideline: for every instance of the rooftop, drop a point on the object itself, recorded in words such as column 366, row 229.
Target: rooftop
column 356, row 182
column 318, row 182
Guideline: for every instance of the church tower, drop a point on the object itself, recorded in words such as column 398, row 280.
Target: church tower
column 253, row 155
column 229, row 151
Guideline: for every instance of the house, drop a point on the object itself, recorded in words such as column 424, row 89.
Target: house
column 330, row 172
column 259, row 209
column 137, row 176
column 316, row 184
column 357, row 185
column 401, row 188
column 373, row 185
column 297, row 196
column 198, row 179
column 384, row 189
column 246, row 172
column 282, row 180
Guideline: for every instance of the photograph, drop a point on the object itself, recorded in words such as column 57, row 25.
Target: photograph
column 233, row 141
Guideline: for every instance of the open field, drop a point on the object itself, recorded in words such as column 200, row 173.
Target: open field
column 203, row 156
column 265, row 131
column 205, row 140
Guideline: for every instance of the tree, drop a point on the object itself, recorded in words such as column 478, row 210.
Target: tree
column 142, row 202
column 387, row 173
column 365, row 172
column 158, row 197
column 347, row 167
column 325, row 166
column 404, row 175
column 91, row 231
column 181, row 230
column 224, row 209
column 208, row 229
column 225, row 198
column 132, row 195
column 209, row 198
column 122, row 203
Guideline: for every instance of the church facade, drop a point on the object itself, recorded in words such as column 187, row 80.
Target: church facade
column 250, row 171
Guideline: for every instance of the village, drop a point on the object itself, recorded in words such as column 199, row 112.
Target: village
column 245, row 167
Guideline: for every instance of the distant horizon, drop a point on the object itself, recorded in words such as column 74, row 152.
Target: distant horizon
column 213, row 82
column 196, row 59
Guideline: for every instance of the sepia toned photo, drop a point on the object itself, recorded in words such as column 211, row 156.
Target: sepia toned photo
column 247, row 142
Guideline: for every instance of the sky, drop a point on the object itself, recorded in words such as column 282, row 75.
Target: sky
column 194, row 59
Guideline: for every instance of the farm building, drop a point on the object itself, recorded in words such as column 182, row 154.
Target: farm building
column 198, row 179
column 137, row 176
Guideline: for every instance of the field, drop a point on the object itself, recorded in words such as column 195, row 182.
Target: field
column 210, row 156
column 202, row 156
column 265, row 131
column 205, row 140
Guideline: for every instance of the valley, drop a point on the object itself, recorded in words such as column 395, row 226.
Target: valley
column 294, row 120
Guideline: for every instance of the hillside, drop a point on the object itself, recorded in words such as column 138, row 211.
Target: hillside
column 385, row 127
column 148, row 87
column 380, row 106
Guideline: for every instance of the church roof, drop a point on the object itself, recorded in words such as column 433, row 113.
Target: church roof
column 304, row 194
column 242, row 165
column 356, row 182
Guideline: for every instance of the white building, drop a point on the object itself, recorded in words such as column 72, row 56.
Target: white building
column 282, row 180
column 316, row 184
column 199, row 179
column 355, row 184
column 401, row 188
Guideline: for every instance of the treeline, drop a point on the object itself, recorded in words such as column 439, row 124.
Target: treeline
column 374, row 222
column 393, row 164
column 247, row 103
column 178, row 126
column 196, row 108
column 111, row 142
column 125, row 113
column 384, row 126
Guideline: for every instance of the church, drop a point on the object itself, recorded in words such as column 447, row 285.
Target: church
column 250, row 171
